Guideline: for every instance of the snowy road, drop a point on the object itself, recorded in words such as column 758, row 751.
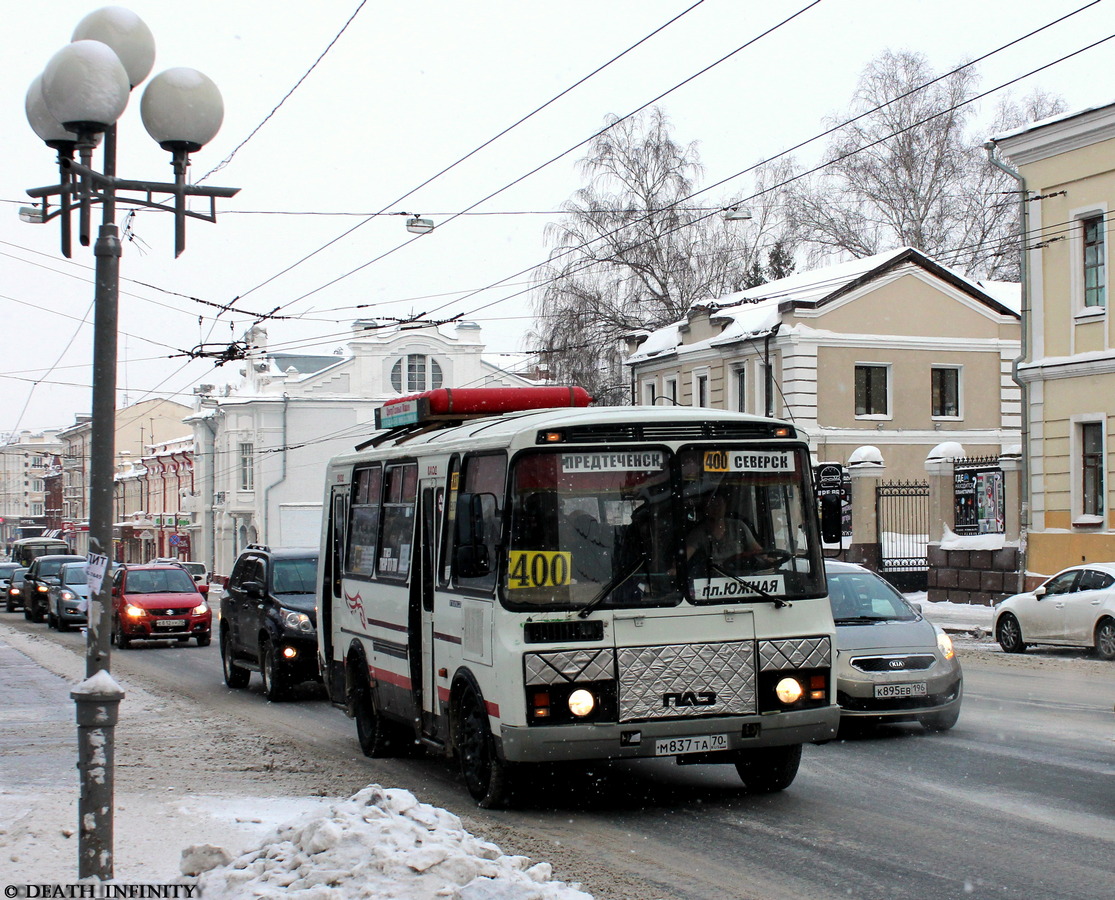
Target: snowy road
column 1014, row 802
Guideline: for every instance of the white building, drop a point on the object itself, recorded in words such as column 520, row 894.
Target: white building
column 23, row 464
column 262, row 447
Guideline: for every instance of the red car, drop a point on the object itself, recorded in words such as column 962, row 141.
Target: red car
column 158, row 602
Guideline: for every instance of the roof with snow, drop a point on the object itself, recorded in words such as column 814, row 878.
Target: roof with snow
column 758, row 311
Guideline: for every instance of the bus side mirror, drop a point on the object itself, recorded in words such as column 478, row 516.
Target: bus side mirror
column 470, row 558
column 471, row 561
column 831, row 516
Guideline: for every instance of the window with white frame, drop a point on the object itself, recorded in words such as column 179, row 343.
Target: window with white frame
column 650, row 392
column 416, row 372
column 872, row 390
column 671, row 390
column 1094, row 262
column 1091, row 461
column 945, row 392
column 247, row 467
column 739, row 382
column 700, row 388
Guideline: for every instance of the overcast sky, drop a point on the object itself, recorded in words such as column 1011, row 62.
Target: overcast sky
column 407, row 89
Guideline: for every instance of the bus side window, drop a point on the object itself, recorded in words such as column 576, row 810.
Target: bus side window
column 484, row 478
column 400, row 493
column 360, row 558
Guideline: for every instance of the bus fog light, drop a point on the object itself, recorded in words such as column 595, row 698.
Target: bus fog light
column 581, row 702
column 789, row 690
column 289, row 652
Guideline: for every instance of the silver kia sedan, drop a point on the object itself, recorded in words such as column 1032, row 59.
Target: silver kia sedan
column 892, row 665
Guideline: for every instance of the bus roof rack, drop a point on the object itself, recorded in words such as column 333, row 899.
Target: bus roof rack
column 444, row 407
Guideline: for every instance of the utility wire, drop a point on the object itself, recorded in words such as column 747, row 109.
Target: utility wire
column 289, row 93
column 487, row 143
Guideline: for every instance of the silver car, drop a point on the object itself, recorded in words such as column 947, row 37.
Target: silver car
column 1074, row 608
column 68, row 601
column 892, row 665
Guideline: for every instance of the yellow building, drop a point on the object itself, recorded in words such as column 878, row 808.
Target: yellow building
column 1067, row 170
column 892, row 352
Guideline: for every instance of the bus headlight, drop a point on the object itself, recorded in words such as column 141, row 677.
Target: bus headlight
column 581, row 702
column 789, row 690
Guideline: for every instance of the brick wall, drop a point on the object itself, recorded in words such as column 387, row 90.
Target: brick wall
column 972, row 576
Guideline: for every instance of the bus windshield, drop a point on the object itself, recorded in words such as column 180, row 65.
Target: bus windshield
column 585, row 521
column 750, row 533
column 642, row 527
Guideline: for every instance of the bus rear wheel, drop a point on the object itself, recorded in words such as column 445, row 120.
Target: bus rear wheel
column 488, row 778
column 770, row 769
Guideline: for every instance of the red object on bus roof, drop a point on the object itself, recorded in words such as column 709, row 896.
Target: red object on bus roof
column 448, row 402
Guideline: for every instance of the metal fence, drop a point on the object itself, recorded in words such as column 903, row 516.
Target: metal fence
column 902, row 517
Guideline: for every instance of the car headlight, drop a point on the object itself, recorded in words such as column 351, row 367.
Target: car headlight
column 134, row 612
column 201, row 609
column 296, row 621
column 69, row 595
column 944, row 644
column 14, row 590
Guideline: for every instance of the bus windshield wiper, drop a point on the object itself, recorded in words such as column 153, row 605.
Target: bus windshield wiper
column 610, row 586
column 762, row 592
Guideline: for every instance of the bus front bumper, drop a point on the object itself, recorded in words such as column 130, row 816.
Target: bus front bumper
column 678, row 738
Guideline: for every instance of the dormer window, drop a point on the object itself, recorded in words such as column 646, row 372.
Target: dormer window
column 414, row 373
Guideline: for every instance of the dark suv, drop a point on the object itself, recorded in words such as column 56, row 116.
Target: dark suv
column 40, row 577
column 268, row 622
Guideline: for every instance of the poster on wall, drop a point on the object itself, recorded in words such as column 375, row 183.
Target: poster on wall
column 833, row 479
column 978, row 499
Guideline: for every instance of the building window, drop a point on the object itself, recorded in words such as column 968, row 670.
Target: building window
column 871, row 391
column 1095, row 270
column 247, row 467
column 421, row 373
column 945, row 393
column 650, row 393
column 672, row 390
column 700, row 389
column 740, row 376
column 1091, row 468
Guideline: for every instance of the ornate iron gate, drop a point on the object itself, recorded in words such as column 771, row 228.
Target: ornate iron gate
column 902, row 519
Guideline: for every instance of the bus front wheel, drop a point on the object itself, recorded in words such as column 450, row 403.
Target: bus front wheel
column 377, row 737
column 770, row 769
column 487, row 777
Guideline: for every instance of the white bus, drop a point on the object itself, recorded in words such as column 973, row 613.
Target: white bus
column 537, row 585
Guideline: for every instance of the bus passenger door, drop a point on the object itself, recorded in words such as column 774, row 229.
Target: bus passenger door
column 421, row 630
column 330, row 591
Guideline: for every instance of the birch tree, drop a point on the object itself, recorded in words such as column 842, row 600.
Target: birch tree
column 634, row 250
column 914, row 172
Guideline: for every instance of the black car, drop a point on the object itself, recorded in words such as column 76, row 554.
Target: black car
column 6, row 571
column 268, row 622
column 13, row 595
column 40, row 577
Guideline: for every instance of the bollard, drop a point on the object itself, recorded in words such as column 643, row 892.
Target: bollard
column 97, row 702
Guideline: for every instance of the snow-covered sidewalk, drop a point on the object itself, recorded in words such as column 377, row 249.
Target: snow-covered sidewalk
column 379, row 844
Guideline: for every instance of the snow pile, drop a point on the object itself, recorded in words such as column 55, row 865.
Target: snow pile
column 379, row 844
column 953, row 541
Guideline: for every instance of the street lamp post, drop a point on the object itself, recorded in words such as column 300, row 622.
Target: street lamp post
column 81, row 93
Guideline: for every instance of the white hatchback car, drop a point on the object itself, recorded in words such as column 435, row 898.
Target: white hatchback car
column 1074, row 608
